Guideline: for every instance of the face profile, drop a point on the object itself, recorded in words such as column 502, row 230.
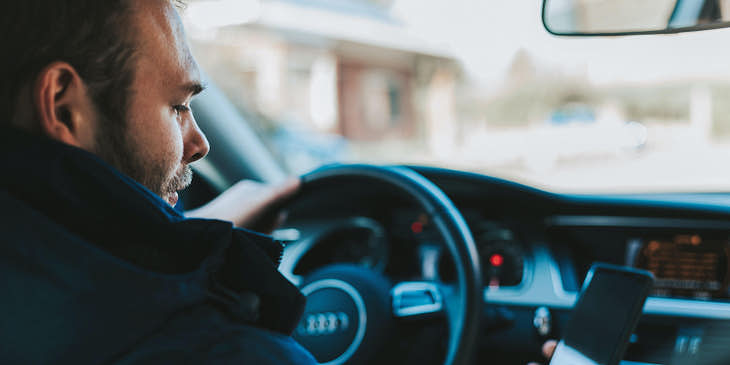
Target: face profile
column 161, row 137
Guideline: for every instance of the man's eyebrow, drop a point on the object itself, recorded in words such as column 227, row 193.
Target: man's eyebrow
column 194, row 88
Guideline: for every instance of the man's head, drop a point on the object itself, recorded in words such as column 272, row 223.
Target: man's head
column 113, row 77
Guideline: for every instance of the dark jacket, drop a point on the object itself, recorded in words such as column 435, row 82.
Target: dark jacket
column 94, row 268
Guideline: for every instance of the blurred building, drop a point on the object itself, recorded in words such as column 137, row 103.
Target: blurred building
column 339, row 66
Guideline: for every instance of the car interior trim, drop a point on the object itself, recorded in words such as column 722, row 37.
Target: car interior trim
column 634, row 222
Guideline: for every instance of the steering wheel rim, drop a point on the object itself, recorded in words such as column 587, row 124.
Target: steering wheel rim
column 464, row 321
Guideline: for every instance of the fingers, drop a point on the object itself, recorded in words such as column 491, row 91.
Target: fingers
column 289, row 188
column 264, row 195
column 548, row 348
column 259, row 204
column 250, row 204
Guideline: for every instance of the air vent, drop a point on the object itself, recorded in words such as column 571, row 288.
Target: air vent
column 715, row 346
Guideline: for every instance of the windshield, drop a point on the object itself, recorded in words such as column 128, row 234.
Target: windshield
column 472, row 85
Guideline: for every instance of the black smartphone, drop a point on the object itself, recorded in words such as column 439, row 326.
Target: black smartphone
column 604, row 316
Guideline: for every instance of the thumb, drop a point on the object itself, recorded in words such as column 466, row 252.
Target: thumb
column 548, row 348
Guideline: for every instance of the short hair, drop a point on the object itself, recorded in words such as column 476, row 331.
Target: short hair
column 93, row 36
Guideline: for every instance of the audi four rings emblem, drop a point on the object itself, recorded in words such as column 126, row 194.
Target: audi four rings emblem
column 323, row 324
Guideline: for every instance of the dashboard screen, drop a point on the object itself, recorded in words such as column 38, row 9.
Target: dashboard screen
column 685, row 266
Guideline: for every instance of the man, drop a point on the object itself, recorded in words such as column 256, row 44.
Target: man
column 96, row 139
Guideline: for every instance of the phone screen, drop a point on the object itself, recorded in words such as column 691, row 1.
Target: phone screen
column 604, row 316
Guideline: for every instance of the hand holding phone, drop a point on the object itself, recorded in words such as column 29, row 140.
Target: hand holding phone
column 604, row 316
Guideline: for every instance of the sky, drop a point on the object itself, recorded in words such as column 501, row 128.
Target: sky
column 485, row 35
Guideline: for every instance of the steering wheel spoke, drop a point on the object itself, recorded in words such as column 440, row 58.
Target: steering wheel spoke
column 415, row 299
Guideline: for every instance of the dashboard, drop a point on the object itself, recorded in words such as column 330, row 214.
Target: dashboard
column 535, row 249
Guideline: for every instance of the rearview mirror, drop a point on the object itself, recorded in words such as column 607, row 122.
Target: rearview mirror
column 626, row 17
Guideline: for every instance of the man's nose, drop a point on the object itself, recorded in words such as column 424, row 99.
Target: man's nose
column 196, row 145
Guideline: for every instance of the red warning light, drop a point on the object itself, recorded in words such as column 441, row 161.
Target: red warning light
column 417, row 227
column 496, row 260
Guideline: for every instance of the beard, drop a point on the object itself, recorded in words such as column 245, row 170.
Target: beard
column 159, row 176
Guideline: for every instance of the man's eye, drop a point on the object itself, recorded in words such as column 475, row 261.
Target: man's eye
column 181, row 108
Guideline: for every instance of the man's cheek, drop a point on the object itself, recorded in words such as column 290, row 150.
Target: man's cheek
column 168, row 139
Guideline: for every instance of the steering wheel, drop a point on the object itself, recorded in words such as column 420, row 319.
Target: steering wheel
column 349, row 308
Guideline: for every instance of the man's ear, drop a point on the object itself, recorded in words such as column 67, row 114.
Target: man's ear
column 63, row 106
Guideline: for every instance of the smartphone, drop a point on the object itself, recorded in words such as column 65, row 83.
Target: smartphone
column 604, row 316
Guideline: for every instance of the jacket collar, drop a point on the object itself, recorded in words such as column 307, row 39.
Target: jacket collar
column 95, row 202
